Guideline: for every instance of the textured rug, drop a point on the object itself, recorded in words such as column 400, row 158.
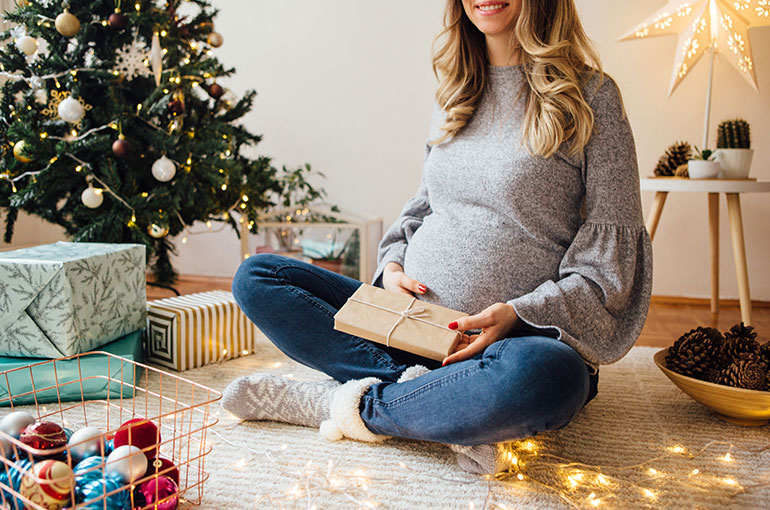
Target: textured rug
column 640, row 444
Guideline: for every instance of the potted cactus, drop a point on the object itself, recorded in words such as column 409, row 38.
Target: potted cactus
column 703, row 165
column 734, row 150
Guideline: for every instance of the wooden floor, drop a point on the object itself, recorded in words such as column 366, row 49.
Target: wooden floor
column 667, row 319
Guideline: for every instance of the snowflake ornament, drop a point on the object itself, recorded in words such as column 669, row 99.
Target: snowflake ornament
column 132, row 61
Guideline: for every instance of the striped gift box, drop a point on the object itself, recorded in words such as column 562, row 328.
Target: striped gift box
column 191, row 331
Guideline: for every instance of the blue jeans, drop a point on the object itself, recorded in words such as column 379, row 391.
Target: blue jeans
column 516, row 388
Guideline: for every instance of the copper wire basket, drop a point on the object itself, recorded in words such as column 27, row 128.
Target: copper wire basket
column 126, row 390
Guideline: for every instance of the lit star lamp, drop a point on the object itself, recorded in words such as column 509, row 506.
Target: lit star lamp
column 717, row 26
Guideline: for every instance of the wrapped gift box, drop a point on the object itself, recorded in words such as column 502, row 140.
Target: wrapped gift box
column 65, row 298
column 399, row 321
column 28, row 381
column 191, row 331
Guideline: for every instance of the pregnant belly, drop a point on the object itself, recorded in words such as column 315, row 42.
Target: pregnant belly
column 469, row 270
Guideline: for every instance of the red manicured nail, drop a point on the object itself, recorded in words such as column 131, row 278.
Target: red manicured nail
column 422, row 288
column 443, row 364
column 452, row 325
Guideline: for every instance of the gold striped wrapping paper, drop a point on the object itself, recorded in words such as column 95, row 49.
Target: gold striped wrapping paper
column 191, row 331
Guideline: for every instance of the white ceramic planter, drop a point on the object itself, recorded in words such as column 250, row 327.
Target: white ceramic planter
column 700, row 169
column 735, row 163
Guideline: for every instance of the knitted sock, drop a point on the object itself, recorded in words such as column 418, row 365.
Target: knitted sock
column 276, row 398
column 481, row 459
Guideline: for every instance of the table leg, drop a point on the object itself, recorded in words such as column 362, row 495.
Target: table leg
column 739, row 254
column 714, row 238
column 245, row 231
column 657, row 208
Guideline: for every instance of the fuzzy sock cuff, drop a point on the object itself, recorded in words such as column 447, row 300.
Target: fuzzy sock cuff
column 412, row 373
column 345, row 418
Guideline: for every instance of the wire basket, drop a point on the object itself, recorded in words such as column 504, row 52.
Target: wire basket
column 102, row 390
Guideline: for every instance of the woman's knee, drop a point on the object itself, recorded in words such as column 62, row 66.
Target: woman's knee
column 252, row 275
column 543, row 378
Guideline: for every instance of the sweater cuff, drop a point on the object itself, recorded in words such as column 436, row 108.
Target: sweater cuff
column 395, row 253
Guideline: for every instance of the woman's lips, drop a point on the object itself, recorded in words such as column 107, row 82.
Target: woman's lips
column 490, row 8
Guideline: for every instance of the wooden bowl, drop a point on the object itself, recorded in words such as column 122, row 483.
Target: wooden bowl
column 736, row 405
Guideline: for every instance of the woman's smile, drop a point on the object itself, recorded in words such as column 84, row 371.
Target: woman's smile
column 490, row 8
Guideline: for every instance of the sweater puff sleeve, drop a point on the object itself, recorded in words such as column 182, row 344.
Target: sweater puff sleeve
column 392, row 247
column 599, row 304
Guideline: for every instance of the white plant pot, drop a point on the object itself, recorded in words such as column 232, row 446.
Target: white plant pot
column 700, row 169
column 735, row 163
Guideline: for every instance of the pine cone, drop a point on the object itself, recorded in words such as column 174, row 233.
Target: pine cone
column 744, row 374
column 693, row 354
column 682, row 171
column 741, row 331
column 739, row 340
column 675, row 156
column 764, row 352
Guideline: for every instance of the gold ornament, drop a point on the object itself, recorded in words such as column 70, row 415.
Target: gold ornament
column 157, row 231
column 18, row 151
column 67, row 24
column 215, row 39
column 52, row 110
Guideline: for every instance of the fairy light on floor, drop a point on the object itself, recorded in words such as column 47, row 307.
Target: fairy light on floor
column 530, row 466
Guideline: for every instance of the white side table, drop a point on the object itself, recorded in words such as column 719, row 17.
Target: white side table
column 732, row 189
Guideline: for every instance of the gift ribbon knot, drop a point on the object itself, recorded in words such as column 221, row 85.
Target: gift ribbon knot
column 417, row 314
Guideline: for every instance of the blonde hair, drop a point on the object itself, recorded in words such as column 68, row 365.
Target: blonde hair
column 556, row 54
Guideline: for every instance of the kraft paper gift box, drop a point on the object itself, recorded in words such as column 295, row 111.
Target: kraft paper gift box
column 30, row 381
column 66, row 298
column 191, row 331
column 399, row 321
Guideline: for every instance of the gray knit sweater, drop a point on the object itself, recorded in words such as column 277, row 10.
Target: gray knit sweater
column 491, row 223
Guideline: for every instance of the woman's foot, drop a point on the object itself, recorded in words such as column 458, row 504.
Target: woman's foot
column 277, row 398
column 481, row 459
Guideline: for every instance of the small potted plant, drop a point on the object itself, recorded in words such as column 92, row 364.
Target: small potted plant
column 328, row 255
column 703, row 165
column 734, row 151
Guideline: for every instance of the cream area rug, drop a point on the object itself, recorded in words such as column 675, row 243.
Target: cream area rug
column 640, row 444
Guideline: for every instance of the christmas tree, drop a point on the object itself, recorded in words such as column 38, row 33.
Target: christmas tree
column 113, row 125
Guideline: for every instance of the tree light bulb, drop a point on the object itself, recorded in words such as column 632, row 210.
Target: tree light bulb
column 224, row 187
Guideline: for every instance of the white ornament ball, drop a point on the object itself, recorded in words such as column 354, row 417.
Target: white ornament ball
column 14, row 423
column 27, row 44
column 127, row 462
column 215, row 39
column 163, row 169
column 92, row 197
column 85, row 442
column 71, row 110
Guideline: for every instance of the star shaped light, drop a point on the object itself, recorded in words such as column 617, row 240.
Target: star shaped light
column 701, row 24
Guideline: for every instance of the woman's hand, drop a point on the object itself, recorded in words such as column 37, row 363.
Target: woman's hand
column 496, row 322
column 394, row 280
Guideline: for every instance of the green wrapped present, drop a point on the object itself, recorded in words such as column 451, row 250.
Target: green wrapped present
column 65, row 298
column 85, row 377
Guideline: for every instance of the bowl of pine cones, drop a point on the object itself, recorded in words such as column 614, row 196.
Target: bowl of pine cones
column 729, row 374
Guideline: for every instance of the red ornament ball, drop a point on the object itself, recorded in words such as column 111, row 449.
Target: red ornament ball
column 140, row 433
column 160, row 465
column 176, row 106
column 121, row 148
column 159, row 489
column 216, row 91
column 44, row 435
column 118, row 20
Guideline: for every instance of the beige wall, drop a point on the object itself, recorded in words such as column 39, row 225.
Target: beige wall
column 346, row 85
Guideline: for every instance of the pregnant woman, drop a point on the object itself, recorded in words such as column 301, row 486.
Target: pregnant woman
column 528, row 217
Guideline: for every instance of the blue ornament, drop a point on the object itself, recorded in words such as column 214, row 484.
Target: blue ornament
column 11, row 476
column 87, row 470
column 109, row 447
column 95, row 491
column 68, row 433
